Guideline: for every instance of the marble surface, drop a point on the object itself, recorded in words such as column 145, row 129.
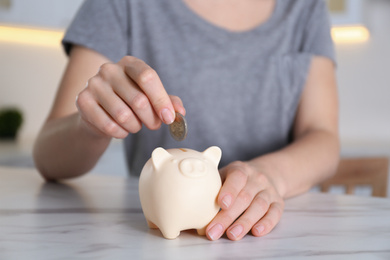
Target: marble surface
column 19, row 154
column 99, row 217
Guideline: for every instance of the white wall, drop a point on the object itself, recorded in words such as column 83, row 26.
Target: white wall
column 29, row 77
column 40, row 13
column 364, row 85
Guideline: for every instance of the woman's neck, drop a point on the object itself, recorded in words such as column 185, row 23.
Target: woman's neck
column 233, row 15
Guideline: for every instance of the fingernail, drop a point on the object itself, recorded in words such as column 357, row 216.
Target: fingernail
column 215, row 232
column 260, row 229
column 167, row 116
column 236, row 231
column 227, row 200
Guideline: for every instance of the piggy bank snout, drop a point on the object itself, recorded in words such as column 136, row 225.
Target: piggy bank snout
column 193, row 167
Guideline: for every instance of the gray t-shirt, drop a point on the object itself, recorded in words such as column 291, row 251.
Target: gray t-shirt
column 240, row 89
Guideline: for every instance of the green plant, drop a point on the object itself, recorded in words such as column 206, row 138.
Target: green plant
column 10, row 121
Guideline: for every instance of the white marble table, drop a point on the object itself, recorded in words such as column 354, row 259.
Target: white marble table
column 97, row 217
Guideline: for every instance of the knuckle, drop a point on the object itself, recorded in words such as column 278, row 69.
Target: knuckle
column 279, row 207
column 122, row 115
column 238, row 164
column 128, row 59
column 107, row 69
column 261, row 203
column 80, row 99
column 147, row 75
column 110, row 128
column 278, row 213
column 176, row 100
column 94, row 82
column 245, row 196
column 268, row 224
column 261, row 178
column 120, row 134
column 160, row 101
column 83, row 100
column 246, row 222
column 240, row 173
column 140, row 101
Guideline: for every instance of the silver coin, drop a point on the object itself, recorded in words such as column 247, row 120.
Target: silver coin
column 178, row 128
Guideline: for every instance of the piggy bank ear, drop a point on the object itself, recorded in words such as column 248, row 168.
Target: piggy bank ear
column 159, row 156
column 214, row 153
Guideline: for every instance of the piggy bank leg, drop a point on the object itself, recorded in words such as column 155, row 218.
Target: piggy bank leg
column 170, row 234
column 151, row 224
column 201, row 231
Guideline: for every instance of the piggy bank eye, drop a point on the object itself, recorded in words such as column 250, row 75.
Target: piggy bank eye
column 192, row 167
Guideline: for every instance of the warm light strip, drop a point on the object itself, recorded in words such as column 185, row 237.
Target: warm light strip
column 52, row 38
column 30, row 36
column 350, row 34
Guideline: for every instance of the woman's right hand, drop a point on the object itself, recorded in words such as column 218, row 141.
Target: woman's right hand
column 123, row 96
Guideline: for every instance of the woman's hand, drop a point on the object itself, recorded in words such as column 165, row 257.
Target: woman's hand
column 248, row 201
column 123, row 96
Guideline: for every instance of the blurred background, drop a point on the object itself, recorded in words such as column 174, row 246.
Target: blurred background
column 32, row 62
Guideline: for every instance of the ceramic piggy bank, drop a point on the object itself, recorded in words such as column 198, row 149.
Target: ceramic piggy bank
column 178, row 189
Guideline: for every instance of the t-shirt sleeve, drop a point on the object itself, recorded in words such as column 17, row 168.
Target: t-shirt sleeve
column 100, row 25
column 317, row 38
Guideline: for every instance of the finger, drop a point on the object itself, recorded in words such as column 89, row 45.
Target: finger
column 150, row 83
column 139, row 104
column 96, row 117
column 178, row 104
column 270, row 219
column 252, row 214
column 235, row 180
column 226, row 217
column 118, row 110
column 131, row 94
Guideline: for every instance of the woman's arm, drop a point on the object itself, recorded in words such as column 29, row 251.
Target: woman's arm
column 65, row 148
column 253, row 191
column 96, row 101
column 314, row 154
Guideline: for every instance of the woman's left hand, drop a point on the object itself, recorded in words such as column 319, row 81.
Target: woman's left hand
column 248, row 201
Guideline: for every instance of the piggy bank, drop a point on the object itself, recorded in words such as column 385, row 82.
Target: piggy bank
column 178, row 189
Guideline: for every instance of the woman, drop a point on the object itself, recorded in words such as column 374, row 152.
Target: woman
column 256, row 78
